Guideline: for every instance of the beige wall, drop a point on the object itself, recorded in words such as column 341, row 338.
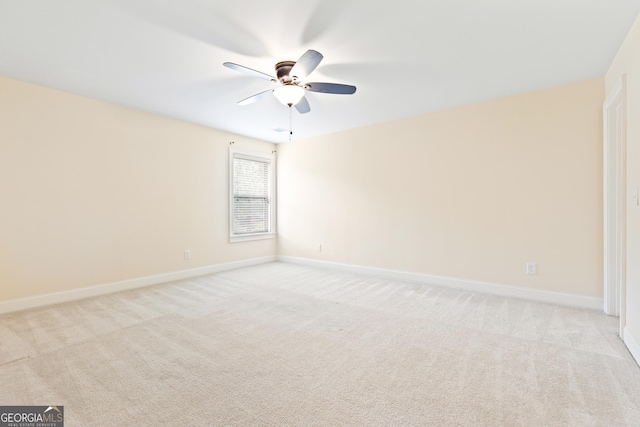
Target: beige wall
column 93, row 193
column 471, row 193
column 627, row 61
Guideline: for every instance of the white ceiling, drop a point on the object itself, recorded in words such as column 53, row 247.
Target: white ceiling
column 407, row 57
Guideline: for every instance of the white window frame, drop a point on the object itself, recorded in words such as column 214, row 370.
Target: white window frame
column 253, row 155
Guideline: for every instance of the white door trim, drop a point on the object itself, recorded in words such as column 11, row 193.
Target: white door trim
column 614, row 201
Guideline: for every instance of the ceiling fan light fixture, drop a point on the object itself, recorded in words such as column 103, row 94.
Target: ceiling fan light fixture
column 290, row 76
column 289, row 94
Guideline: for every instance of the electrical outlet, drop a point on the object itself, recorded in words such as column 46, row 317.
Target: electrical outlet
column 187, row 254
column 532, row 268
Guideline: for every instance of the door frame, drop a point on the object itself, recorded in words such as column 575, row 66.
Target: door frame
column 614, row 190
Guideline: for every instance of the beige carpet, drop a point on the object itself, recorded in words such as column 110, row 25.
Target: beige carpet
column 280, row 344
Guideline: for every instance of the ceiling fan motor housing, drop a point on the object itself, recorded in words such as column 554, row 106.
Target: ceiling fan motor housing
column 282, row 71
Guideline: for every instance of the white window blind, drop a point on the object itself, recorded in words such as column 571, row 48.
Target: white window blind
column 251, row 198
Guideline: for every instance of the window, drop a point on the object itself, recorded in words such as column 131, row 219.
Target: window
column 252, row 198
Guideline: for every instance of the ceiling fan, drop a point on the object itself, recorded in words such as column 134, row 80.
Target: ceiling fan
column 291, row 77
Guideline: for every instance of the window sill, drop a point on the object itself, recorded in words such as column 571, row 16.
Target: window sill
column 246, row 238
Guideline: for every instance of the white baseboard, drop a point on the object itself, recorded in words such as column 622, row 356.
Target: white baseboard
column 632, row 345
column 92, row 291
column 469, row 285
column 451, row 282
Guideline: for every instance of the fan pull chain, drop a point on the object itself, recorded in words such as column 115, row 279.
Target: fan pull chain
column 290, row 123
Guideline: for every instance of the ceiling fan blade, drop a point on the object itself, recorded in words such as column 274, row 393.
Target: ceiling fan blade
column 330, row 88
column 249, row 71
column 306, row 64
column 303, row 106
column 254, row 98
